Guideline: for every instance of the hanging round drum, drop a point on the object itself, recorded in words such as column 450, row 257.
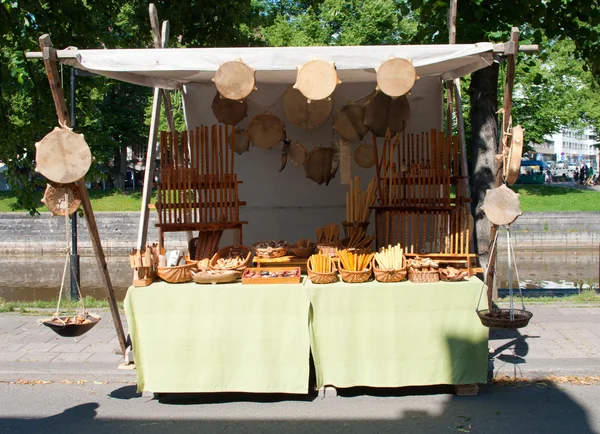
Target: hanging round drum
column 63, row 156
column 501, row 205
column 238, row 141
column 320, row 164
column 265, row 131
column 349, row 122
column 304, row 114
column 512, row 162
column 62, row 198
column 364, row 155
column 297, row 154
column 229, row 111
column 235, row 80
column 317, row 79
column 396, row 76
column 383, row 112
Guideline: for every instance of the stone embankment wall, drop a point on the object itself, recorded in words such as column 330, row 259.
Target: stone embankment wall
column 21, row 234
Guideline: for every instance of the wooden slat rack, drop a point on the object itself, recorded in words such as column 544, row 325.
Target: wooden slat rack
column 198, row 188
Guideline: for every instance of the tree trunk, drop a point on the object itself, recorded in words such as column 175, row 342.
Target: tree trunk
column 483, row 93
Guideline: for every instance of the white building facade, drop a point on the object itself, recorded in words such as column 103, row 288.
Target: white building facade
column 570, row 147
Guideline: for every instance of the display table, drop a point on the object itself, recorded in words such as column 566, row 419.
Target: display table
column 220, row 338
column 398, row 334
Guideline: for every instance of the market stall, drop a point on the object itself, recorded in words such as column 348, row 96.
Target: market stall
column 389, row 300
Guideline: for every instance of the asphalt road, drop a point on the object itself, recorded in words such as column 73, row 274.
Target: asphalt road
column 117, row 408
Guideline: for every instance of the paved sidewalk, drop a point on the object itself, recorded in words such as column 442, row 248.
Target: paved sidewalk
column 558, row 340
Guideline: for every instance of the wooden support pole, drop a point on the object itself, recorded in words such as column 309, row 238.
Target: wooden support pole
column 64, row 120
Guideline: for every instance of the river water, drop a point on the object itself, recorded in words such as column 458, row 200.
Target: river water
column 25, row 278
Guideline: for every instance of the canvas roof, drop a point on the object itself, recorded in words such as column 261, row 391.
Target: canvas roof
column 171, row 68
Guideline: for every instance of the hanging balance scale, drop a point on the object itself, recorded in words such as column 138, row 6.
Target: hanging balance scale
column 502, row 207
column 64, row 157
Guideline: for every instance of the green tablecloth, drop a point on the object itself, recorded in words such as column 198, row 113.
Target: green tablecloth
column 392, row 335
column 227, row 337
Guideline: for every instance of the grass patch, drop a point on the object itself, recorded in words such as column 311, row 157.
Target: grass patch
column 66, row 305
column 586, row 296
column 536, row 198
column 110, row 201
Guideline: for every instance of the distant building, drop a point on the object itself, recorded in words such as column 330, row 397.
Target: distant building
column 570, row 147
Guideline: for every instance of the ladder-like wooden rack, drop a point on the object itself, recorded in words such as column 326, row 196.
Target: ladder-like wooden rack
column 416, row 174
column 198, row 188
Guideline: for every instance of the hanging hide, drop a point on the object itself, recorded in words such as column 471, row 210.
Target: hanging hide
column 265, row 131
column 229, row 111
column 383, row 112
column 364, row 155
column 316, row 79
column 321, row 165
column 235, row 80
column 304, row 114
column 349, row 122
column 395, row 77
column 501, row 205
column 241, row 144
column 56, row 202
column 63, row 156
column 297, row 154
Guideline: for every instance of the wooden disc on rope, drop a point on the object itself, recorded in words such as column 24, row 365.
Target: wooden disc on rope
column 383, row 112
column 304, row 114
column 229, row 111
column 501, row 205
column 242, row 143
column 235, row 80
column 349, row 122
column 297, row 153
column 63, row 156
column 319, row 163
column 512, row 164
column 54, row 198
column 395, row 77
column 364, row 155
column 317, row 79
column 265, row 131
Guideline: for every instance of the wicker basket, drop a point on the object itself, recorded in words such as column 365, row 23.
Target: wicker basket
column 355, row 276
column 388, row 276
column 241, row 251
column 179, row 274
column 270, row 252
column 420, row 276
column 501, row 318
column 320, row 278
column 303, row 252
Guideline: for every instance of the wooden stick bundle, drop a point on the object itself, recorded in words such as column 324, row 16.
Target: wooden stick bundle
column 356, row 260
column 359, row 203
column 391, row 258
column 320, row 263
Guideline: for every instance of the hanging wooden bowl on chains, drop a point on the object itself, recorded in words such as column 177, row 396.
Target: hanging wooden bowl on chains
column 55, row 201
column 316, row 79
column 70, row 327
column 349, row 122
column 395, row 77
column 383, row 112
column 512, row 160
column 235, row 80
column 265, row 131
column 304, row 114
column 229, row 111
column 63, row 156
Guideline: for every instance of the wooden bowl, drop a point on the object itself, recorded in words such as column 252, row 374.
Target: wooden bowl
column 303, row 252
column 216, row 276
column 179, row 274
column 241, row 251
column 500, row 318
column 71, row 330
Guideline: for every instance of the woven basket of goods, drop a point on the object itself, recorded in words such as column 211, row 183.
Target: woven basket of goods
column 500, row 318
column 178, row 274
column 389, row 265
column 321, row 269
column 451, row 274
column 271, row 249
column 355, row 265
column 303, row 248
column 423, row 270
column 231, row 258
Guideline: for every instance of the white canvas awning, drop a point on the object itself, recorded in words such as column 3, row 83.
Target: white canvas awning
column 171, row 68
